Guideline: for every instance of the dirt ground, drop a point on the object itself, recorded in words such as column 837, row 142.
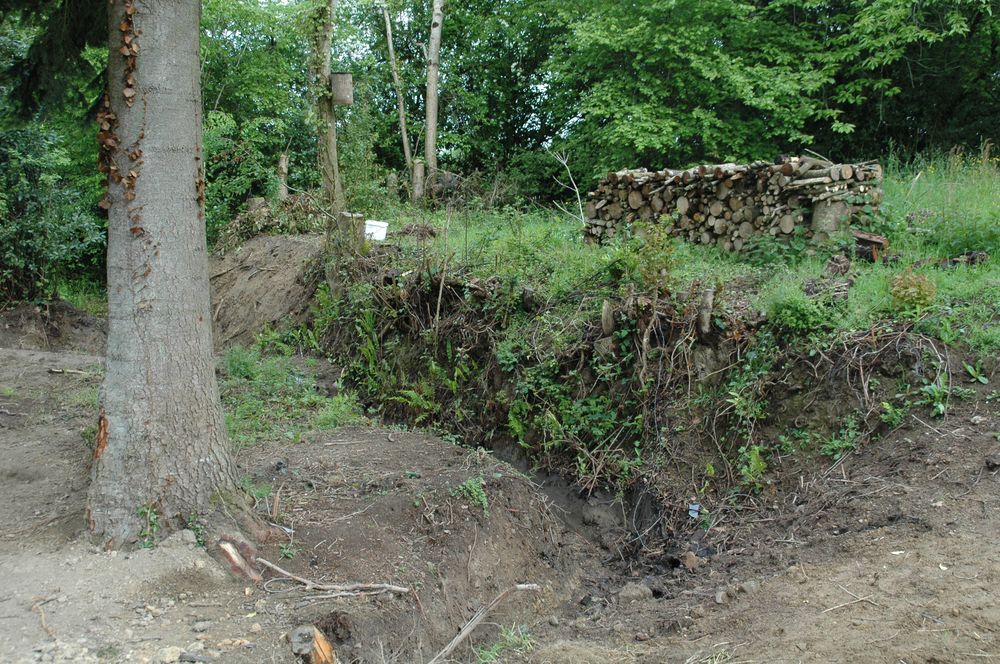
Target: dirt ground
column 889, row 556
column 892, row 558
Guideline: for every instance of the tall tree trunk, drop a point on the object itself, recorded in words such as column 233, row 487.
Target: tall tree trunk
column 161, row 444
column 398, row 85
column 431, row 102
column 329, row 165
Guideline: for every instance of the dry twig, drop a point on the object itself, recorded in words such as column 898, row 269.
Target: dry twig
column 479, row 616
column 337, row 590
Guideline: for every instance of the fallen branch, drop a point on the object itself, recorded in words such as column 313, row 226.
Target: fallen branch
column 37, row 608
column 342, row 590
column 479, row 616
column 68, row 371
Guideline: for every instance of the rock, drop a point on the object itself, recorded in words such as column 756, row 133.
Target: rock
column 634, row 592
column 188, row 537
column 993, row 462
column 554, row 621
column 202, row 625
column 169, row 654
column 721, row 597
column 256, row 628
column 750, row 586
column 642, row 636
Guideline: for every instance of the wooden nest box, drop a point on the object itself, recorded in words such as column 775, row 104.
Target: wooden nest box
column 342, row 88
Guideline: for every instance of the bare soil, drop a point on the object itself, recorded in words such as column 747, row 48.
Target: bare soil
column 888, row 556
column 891, row 557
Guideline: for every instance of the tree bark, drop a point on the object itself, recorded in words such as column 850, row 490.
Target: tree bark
column 283, row 177
column 398, row 85
column 431, row 102
column 162, row 445
column 329, row 165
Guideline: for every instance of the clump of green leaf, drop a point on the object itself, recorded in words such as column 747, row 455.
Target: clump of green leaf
column 845, row 441
column 794, row 315
column 912, row 292
column 474, row 490
column 147, row 536
column 752, row 466
column 271, row 397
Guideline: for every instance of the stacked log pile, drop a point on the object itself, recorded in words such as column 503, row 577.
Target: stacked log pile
column 727, row 204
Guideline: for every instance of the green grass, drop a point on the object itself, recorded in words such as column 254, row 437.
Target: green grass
column 7, row 392
column 270, row 398
column 936, row 208
column 85, row 295
column 512, row 640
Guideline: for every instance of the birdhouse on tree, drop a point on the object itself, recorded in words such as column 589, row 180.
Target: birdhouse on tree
column 342, row 88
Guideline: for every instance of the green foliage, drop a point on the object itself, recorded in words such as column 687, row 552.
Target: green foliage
column 893, row 415
column 474, row 490
column 270, row 397
column 288, row 550
column 845, row 441
column 151, row 517
column 795, row 316
column 256, row 491
column 752, row 466
column 46, row 233
column 338, row 411
column 912, row 292
column 975, row 372
column 764, row 249
column 513, row 640
column 935, row 396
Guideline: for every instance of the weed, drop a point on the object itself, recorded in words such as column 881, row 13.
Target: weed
column 514, row 640
column 975, row 372
column 195, row 525
column 935, row 396
column 844, row 442
column 85, row 295
column 794, row 315
column 893, row 415
column 752, row 466
column 7, row 392
column 86, row 398
column 794, row 439
column 474, row 490
column 147, row 535
column 288, row 550
column 338, row 411
column 912, row 292
column 256, row 491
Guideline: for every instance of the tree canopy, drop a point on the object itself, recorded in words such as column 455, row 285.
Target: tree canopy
column 611, row 83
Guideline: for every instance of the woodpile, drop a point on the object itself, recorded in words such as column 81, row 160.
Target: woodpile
column 727, row 204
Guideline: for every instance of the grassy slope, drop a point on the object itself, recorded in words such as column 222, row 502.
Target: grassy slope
column 934, row 210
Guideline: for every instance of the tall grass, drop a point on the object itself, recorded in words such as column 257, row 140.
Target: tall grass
column 935, row 207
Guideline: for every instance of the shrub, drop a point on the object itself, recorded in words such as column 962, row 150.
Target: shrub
column 46, row 234
column 793, row 314
column 912, row 292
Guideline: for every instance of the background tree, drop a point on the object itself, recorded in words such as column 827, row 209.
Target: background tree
column 431, row 102
column 329, row 163
column 398, row 86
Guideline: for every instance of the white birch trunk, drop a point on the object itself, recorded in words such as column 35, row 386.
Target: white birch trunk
column 431, row 102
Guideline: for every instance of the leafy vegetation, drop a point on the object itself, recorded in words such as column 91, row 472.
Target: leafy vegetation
column 270, row 398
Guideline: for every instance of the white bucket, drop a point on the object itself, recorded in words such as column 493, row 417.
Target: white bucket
column 375, row 230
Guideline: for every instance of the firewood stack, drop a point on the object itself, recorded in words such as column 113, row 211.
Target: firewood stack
column 727, row 204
